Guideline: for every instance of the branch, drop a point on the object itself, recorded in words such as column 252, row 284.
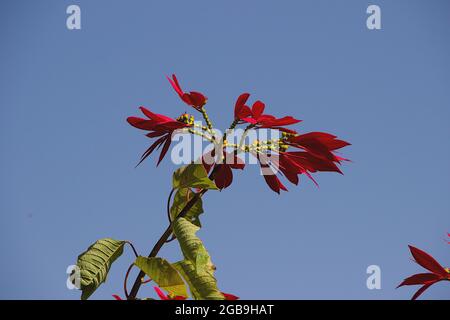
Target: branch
column 164, row 237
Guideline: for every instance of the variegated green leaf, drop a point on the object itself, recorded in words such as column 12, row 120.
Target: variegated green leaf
column 197, row 268
column 164, row 274
column 192, row 175
column 203, row 286
column 95, row 262
column 180, row 200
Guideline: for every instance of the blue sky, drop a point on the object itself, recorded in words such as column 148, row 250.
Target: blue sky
column 68, row 155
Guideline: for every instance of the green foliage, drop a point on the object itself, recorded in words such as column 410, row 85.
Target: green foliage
column 181, row 198
column 197, row 268
column 202, row 286
column 95, row 262
column 164, row 274
column 193, row 176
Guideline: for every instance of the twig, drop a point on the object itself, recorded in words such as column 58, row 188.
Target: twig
column 125, row 290
column 132, row 247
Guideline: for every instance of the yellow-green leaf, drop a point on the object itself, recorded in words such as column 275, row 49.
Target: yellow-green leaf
column 192, row 175
column 180, row 200
column 197, row 268
column 164, row 274
column 203, row 286
column 95, row 262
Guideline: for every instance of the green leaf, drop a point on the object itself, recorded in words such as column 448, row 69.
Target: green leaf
column 197, row 268
column 95, row 262
column 194, row 176
column 203, row 262
column 203, row 286
column 189, row 242
column 164, row 274
column 181, row 198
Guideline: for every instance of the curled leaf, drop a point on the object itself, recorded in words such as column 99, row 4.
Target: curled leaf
column 95, row 262
column 180, row 200
column 197, row 268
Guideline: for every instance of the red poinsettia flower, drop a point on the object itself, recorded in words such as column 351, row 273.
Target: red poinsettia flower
column 223, row 174
column 318, row 144
column 318, row 147
column 256, row 116
column 163, row 296
column 437, row 272
column 159, row 126
column 317, row 155
column 193, row 98
column 292, row 164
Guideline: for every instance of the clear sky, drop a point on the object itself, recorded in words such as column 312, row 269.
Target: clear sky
column 68, row 155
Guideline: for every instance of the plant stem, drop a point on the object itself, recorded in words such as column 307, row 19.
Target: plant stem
column 125, row 290
column 244, row 135
column 132, row 247
column 206, row 117
column 165, row 236
column 201, row 134
column 168, row 205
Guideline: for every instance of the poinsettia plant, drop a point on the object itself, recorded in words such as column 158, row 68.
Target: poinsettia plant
column 289, row 154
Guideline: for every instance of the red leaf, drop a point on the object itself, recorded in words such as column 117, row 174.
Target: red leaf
column 420, row 278
column 197, row 99
column 421, row 290
column 164, row 149
column 193, row 98
column 229, row 296
column 224, row 176
column 175, row 85
column 161, row 294
column 249, row 120
column 240, row 104
column 285, row 121
column 208, row 160
column 155, row 144
column 155, row 116
column 258, row 109
column 427, row 261
column 311, row 162
column 141, row 123
column 289, row 169
column 274, row 183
